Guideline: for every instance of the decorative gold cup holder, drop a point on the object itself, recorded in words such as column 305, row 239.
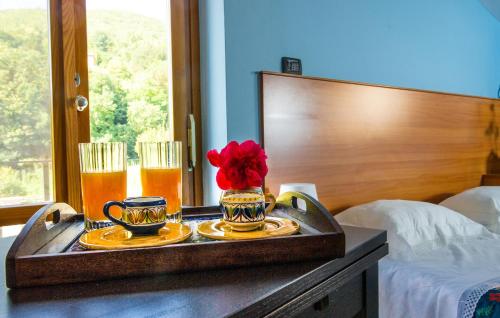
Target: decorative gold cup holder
column 117, row 237
column 272, row 227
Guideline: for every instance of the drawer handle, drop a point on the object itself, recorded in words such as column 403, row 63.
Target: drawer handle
column 322, row 304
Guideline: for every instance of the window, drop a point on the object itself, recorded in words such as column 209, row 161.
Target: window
column 129, row 75
column 135, row 62
column 25, row 105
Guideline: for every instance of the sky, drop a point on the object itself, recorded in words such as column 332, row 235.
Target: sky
column 151, row 8
column 23, row 4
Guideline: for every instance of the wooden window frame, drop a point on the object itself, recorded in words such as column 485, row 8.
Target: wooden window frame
column 20, row 214
column 186, row 89
column 69, row 127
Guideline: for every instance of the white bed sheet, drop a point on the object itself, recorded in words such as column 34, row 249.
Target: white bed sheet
column 426, row 282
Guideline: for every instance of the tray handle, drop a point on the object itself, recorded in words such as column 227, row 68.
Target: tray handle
column 41, row 228
column 315, row 213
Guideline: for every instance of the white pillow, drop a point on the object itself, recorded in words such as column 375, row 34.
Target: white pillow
column 410, row 223
column 481, row 204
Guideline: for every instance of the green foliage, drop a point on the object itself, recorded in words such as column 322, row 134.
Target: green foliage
column 23, row 181
column 128, row 81
column 129, row 78
column 11, row 184
column 128, row 88
column 25, row 96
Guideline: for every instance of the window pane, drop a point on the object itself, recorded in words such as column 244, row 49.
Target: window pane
column 25, row 103
column 128, row 49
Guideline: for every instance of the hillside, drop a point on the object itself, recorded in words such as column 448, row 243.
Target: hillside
column 128, row 79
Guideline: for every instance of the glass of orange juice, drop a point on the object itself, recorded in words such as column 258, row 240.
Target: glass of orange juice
column 103, row 173
column 161, row 174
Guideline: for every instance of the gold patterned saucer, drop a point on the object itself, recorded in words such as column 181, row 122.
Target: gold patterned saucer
column 116, row 237
column 273, row 226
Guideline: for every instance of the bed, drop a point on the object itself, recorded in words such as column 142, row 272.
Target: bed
column 441, row 263
column 444, row 282
column 361, row 143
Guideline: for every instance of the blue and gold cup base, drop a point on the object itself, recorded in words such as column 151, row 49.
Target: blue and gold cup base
column 140, row 215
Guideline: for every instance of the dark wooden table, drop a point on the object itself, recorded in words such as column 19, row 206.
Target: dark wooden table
column 346, row 287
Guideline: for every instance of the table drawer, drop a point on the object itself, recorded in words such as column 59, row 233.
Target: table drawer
column 351, row 292
column 344, row 301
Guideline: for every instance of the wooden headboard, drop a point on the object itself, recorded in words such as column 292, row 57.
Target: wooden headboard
column 360, row 143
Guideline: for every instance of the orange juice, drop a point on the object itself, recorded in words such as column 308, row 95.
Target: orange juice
column 99, row 188
column 165, row 182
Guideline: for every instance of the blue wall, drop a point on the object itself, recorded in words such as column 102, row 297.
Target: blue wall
column 493, row 6
column 442, row 45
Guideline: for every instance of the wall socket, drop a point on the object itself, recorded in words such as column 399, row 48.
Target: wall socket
column 291, row 65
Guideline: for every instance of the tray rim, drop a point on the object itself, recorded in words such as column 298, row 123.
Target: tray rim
column 15, row 264
column 46, row 263
column 181, row 244
column 184, row 243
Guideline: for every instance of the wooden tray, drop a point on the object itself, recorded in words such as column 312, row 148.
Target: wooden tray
column 48, row 253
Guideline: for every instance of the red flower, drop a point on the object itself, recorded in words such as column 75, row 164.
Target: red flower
column 241, row 166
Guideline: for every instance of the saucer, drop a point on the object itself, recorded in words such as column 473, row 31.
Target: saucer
column 116, row 237
column 273, row 226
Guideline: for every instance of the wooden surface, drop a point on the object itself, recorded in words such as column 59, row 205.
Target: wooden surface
column 71, row 114
column 185, row 90
column 490, row 180
column 60, row 180
column 244, row 292
column 196, row 98
column 20, row 214
column 17, row 214
column 81, row 62
column 360, row 142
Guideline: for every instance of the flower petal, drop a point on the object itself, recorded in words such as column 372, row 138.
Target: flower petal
column 253, row 178
column 240, row 165
column 214, row 157
column 222, row 180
